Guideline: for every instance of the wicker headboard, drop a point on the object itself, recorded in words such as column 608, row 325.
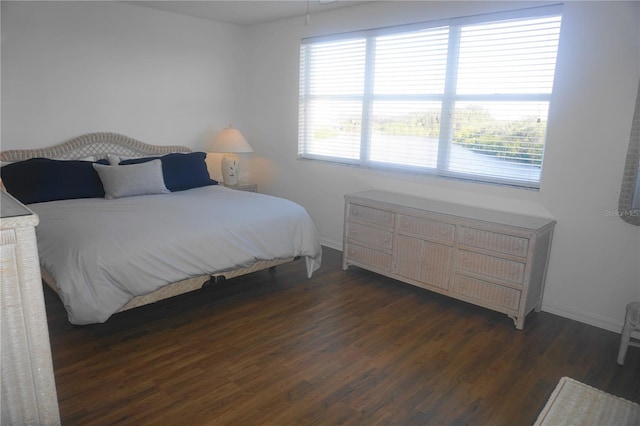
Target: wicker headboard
column 97, row 145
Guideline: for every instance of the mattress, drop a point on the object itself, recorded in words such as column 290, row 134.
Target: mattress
column 102, row 253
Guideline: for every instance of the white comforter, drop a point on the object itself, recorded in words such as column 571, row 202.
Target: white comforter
column 102, row 253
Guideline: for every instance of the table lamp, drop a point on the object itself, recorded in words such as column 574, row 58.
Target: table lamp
column 230, row 142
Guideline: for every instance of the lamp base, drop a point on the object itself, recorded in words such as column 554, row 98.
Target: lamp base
column 230, row 169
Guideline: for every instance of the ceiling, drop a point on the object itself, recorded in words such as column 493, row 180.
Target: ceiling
column 245, row 12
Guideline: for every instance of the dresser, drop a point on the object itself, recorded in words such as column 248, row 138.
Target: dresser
column 493, row 259
column 29, row 394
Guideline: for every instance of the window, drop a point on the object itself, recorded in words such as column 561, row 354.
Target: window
column 467, row 98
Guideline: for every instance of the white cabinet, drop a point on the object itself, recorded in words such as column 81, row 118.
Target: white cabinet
column 29, row 394
column 492, row 259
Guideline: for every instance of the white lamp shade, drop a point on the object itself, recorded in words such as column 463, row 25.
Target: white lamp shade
column 230, row 140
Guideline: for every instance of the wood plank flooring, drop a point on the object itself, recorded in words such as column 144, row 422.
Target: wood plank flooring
column 340, row 348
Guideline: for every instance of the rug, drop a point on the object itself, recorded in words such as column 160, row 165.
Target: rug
column 574, row 403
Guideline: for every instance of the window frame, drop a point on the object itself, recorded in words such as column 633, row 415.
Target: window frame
column 447, row 99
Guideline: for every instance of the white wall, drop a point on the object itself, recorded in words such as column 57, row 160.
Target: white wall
column 70, row 68
column 595, row 264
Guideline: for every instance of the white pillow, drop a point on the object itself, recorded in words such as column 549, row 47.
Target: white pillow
column 87, row 158
column 132, row 179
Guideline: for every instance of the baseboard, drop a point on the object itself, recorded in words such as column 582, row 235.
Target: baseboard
column 575, row 314
column 336, row 245
column 584, row 317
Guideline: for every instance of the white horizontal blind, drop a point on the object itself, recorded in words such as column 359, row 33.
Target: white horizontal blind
column 408, row 84
column 504, row 81
column 332, row 91
column 469, row 99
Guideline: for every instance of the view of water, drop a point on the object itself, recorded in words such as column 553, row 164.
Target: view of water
column 422, row 153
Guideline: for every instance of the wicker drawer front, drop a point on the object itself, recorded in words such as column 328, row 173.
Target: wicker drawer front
column 486, row 293
column 423, row 261
column 491, row 266
column 371, row 236
column 369, row 214
column 427, row 228
column 501, row 243
column 369, row 257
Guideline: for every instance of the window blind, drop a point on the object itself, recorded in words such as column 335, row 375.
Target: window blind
column 466, row 99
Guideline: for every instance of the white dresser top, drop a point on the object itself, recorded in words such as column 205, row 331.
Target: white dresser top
column 14, row 214
column 452, row 209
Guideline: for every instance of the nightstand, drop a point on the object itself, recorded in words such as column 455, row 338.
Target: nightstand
column 249, row 187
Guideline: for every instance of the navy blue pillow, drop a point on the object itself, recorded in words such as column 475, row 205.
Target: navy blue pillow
column 41, row 179
column 181, row 171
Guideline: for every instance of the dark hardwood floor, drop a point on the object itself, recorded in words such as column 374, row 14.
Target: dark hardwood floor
column 342, row 347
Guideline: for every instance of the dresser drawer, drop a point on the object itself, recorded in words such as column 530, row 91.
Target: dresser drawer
column 371, row 236
column 427, row 228
column 491, row 266
column 424, row 261
column 487, row 293
column 366, row 256
column 501, row 243
column 371, row 215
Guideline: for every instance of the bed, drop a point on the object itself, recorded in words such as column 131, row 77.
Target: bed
column 110, row 251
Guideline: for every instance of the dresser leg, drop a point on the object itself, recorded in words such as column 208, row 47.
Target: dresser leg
column 517, row 321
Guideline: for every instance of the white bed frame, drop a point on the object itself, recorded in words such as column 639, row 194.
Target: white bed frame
column 99, row 145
